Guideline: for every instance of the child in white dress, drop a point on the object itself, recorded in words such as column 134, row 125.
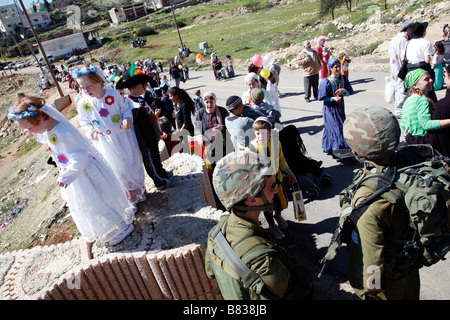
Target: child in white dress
column 97, row 203
column 106, row 119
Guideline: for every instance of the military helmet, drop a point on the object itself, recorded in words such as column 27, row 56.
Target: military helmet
column 240, row 175
column 372, row 132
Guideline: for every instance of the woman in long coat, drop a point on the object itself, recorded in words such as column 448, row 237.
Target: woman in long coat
column 332, row 91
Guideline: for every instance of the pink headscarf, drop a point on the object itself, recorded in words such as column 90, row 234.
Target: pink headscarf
column 210, row 94
column 320, row 38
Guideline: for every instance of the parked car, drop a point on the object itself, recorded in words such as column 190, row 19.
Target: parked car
column 41, row 61
column 79, row 62
column 73, row 61
column 10, row 66
column 22, row 64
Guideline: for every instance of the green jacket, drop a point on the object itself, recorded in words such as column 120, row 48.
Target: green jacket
column 245, row 237
column 372, row 250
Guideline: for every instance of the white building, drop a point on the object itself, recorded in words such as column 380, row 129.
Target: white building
column 8, row 22
column 127, row 13
column 8, row 10
column 65, row 45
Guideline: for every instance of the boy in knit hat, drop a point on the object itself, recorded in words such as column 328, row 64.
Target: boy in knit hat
column 238, row 124
column 263, row 108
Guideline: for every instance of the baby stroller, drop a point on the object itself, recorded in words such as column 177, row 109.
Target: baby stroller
column 309, row 172
column 219, row 71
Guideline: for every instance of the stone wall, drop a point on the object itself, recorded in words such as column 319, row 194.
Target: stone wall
column 162, row 260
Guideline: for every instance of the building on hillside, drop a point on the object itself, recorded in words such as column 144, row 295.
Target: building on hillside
column 12, row 18
column 8, row 10
column 127, row 13
column 65, row 46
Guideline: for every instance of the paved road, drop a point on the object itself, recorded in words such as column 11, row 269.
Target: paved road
column 309, row 239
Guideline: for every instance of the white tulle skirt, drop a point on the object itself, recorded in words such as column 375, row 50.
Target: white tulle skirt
column 97, row 203
column 121, row 151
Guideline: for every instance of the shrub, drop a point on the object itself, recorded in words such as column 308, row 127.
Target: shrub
column 146, row 31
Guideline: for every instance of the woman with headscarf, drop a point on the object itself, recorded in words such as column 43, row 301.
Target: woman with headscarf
column 210, row 120
column 332, row 91
column 252, row 82
column 418, row 109
column 210, row 123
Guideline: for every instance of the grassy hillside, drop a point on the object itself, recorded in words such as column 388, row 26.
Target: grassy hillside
column 265, row 28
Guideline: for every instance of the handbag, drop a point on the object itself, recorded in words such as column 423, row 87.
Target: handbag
column 404, row 68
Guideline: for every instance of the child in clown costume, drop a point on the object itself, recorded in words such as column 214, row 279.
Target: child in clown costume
column 107, row 120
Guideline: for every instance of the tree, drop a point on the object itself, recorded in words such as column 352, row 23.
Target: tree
column 47, row 5
column 327, row 6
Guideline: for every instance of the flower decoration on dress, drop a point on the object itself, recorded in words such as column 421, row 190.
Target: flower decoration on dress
column 103, row 112
column 53, row 139
column 83, row 71
column 63, row 159
column 116, row 118
column 96, row 123
column 31, row 111
column 109, row 100
column 87, row 107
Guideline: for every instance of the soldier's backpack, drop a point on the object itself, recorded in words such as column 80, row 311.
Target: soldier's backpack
column 421, row 185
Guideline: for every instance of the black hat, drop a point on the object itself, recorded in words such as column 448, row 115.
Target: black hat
column 419, row 29
column 128, row 81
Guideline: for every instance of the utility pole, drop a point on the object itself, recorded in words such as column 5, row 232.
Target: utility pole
column 42, row 50
column 24, row 36
column 176, row 25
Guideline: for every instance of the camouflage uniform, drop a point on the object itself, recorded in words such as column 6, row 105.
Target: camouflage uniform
column 373, row 134
column 271, row 267
column 236, row 177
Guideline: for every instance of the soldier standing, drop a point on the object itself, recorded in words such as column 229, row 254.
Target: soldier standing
column 373, row 268
column 245, row 185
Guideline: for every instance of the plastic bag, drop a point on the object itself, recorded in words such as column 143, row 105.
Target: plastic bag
column 389, row 90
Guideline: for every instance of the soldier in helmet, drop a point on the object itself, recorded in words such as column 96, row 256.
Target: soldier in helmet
column 374, row 272
column 245, row 185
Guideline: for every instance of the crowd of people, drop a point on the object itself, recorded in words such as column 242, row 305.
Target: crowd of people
column 138, row 42
column 125, row 111
column 414, row 95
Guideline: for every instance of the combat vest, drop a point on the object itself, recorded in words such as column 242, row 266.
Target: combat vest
column 232, row 266
column 416, row 182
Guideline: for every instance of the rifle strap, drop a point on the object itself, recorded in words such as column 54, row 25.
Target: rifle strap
column 230, row 256
column 247, row 276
